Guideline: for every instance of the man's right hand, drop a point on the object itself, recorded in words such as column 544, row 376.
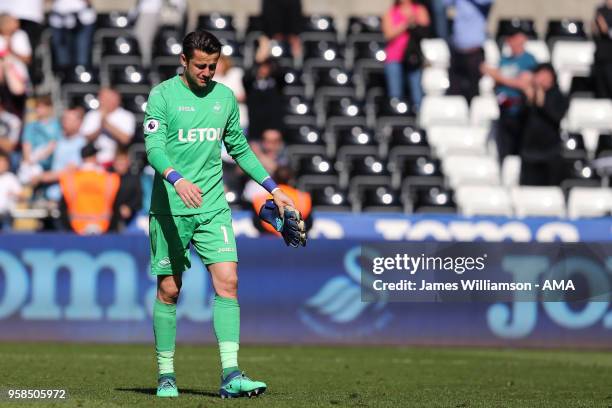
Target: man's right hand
column 189, row 193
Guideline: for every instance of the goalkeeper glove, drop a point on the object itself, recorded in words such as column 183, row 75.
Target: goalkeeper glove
column 289, row 224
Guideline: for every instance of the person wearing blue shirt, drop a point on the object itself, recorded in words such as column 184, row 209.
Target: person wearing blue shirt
column 467, row 53
column 39, row 140
column 511, row 78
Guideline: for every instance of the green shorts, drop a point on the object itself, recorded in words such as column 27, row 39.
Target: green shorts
column 211, row 234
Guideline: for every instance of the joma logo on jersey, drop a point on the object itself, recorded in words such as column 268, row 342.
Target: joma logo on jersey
column 200, row 135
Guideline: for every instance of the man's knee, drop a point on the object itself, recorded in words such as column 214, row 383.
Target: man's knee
column 168, row 291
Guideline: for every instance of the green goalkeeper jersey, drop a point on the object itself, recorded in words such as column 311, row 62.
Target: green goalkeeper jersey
column 185, row 131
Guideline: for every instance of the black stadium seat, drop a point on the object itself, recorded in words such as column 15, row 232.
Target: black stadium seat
column 329, row 198
column 573, row 146
column 379, row 199
column 578, row 173
column 506, row 26
column 566, row 29
column 427, row 199
column 364, row 25
column 120, row 46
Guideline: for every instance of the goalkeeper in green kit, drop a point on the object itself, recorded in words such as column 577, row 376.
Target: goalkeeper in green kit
column 188, row 117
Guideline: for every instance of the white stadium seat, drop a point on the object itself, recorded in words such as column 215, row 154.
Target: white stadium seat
column 483, row 200
column 448, row 140
column 572, row 58
column 531, row 201
column 486, row 86
column 483, row 110
column 511, row 171
column 537, row 48
column 586, row 113
column 443, row 110
column 464, row 170
column 588, row 202
column 436, row 52
column 435, row 81
column 491, row 52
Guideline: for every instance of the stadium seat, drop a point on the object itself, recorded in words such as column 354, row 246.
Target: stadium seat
column 492, row 55
column 298, row 105
column 233, row 50
column 511, row 171
column 443, row 110
column 318, row 23
column 122, row 46
column 313, row 164
column 453, row 140
column 303, row 135
column 254, row 25
column 342, row 111
column 135, row 102
column 428, row 199
column 329, row 198
column 168, row 42
column 113, row 19
column 415, row 170
column 359, row 169
column 378, row 199
column 121, row 74
column 435, row 81
column 537, row 48
column 585, row 202
column 364, row 25
column 486, row 86
column 323, row 50
column 506, row 26
column 483, row 200
column 362, row 50
column 589, row 113
column 471, row 170
column 531, row 201
column 582, row 87
column 578, row 173
column 293, row 83
column 436, row 52
column 571, row 58
column 79, row 76
column 404, row 139
column 382, row 111
column 85, row 98
column 354, row 139
column 566, row 29
column 573, row 145
column 221, row 25
column 165, row 68
column 604, row 145
column 483, row 110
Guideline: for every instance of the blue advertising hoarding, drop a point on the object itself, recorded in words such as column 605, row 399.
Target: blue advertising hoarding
column 69, row 288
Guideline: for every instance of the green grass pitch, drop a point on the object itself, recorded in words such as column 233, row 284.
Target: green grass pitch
column 316, row 376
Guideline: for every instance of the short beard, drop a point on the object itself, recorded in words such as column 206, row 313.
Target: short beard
column 194, row 84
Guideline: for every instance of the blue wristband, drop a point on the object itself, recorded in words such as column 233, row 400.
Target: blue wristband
column 173, row 177
column 269, row 184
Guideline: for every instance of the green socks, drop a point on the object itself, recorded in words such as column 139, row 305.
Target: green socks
column 226, row 322
column 164, row 327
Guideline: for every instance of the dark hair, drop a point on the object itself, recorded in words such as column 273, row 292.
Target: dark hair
column 89, row 150
column 44, row 100
column 200, row 40
column 548, row 67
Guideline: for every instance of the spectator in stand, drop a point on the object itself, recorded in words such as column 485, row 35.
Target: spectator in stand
column 282, row 21
column 89, row 194
column 31, row 15
column 232, row 77
column 15, row 55
column 73, row 24
column 440, row 18
column 67, row 153
column 541, row 147
column 272, row 153
column 10, row 188
column 404, row 25
column 109, row 126
column 264, row 99
column 467, row 53
column 149, row 16
column 39, row 140
column 602, row 66
column 512, row 76
column 302, row 199
column 10, row 128
column 129, row 197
